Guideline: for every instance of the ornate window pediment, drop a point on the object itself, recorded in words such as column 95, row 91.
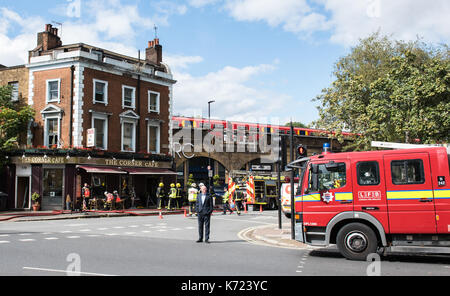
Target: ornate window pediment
column 52, row 110
column 129, row 115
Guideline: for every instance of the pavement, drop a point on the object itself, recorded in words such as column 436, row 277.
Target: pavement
column 269, row 235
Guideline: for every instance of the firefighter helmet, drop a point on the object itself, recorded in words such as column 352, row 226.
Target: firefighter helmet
column 172, row 185
column 178, row 185
column 161, row 184
column 193, row 185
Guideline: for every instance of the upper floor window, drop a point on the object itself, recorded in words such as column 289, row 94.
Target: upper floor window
column 153, row 138
column 100, row 92
column 51, row 132
column 100, row 123
column 153, row 101
column 14, row 91
column 53, row 90
column 128, row 97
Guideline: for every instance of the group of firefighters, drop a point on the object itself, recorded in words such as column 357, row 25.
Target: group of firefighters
column 228, row 203
column 174, row 197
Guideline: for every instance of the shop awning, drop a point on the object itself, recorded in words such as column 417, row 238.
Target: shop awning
column 101, row 170
column 149, row 171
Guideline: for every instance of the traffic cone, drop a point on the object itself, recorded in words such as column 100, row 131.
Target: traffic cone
column 185, row 213
column 245, row 208
column 260, row 208
column 160, row 215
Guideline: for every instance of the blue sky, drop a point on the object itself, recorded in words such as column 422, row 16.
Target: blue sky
column 261, row 60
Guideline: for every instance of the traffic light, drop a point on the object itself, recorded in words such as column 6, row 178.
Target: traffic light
column 301, row 151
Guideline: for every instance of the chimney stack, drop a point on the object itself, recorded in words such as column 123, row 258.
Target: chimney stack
column 153, row 54
column 49, row 39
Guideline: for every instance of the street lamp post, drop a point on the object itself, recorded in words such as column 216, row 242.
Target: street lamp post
column 209, row 149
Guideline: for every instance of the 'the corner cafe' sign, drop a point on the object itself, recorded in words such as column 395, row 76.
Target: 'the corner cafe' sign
column 93, row 161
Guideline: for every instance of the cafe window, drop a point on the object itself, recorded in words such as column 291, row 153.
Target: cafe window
column 52, row 187
column 406, row 172
column 100, row 92
column 368, row 173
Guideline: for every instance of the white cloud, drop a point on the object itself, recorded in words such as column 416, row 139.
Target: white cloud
column 404, row 19
column 106, row 23
column 230, row 87
column 346, row 21
column 14, row 50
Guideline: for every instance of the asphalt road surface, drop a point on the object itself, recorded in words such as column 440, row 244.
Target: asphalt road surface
column 149, row 246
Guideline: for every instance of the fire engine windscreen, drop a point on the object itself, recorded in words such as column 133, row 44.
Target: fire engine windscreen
column 328, row 175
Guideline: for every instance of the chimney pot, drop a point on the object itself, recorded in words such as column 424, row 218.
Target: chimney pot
column 48, row 27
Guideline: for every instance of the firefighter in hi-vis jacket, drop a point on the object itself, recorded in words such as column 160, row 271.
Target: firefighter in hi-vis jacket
column 179, row 196
column 172, row 197
column 226, row 200
column 160, row 195
column 238, row 198
column 192, row 198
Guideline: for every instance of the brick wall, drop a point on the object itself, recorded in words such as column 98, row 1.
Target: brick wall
column 113, row 107
column 19, row 74
column 39, row 99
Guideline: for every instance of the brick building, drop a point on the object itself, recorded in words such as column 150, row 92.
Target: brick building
column 102, row 118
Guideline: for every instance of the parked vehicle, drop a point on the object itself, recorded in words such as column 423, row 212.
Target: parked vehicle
column 361, row 201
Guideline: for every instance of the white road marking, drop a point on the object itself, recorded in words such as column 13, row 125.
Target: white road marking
column 66, row 271
column 51, row 238
column 73, row 236
column 24, row 234
column 27, row 240
column 4, row 242
column 4, row 235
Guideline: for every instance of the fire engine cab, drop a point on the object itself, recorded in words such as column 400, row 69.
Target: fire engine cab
column 364, row 201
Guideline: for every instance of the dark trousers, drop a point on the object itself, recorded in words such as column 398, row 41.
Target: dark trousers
column 203, row 222
column 160, row 202
column 226, row 207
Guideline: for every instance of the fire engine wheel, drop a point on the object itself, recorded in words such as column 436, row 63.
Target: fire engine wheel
column 356, row 241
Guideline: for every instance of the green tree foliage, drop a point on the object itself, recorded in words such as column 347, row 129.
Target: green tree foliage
column 391, row 91
column 297, row 124
column 13, row 121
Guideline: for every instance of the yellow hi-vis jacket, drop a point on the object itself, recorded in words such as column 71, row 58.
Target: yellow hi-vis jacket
column 226, row 197
column 192, row 194
column 173, row 193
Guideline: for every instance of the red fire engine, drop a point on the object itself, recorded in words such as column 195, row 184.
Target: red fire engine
column 363, row 201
